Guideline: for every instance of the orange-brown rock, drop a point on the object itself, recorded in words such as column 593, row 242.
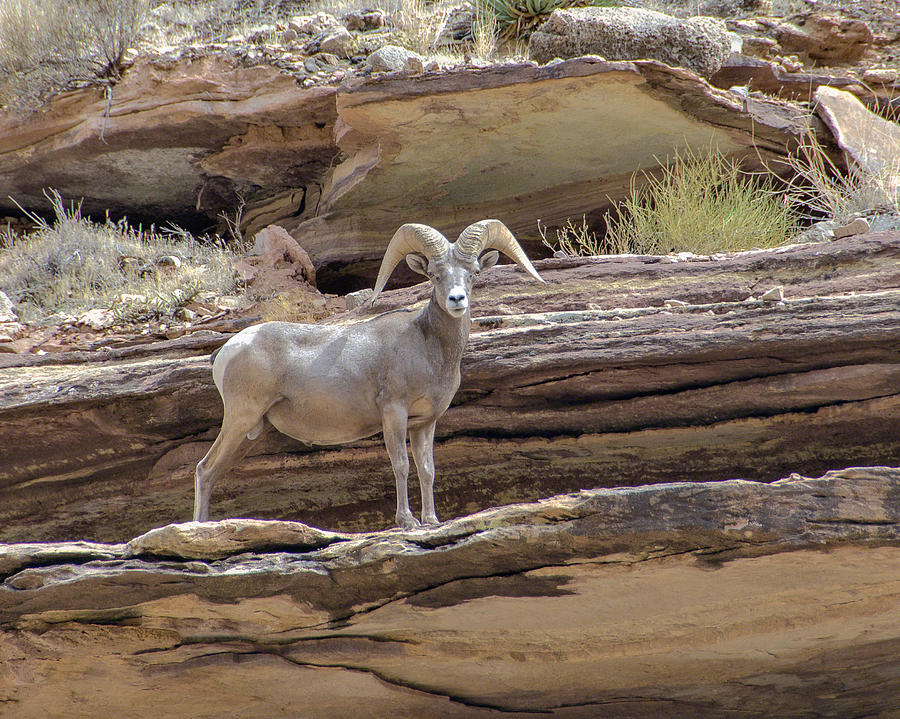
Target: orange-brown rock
column 826, row 38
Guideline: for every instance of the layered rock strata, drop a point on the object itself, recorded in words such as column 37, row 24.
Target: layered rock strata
column 619, row 371
column 669, row 601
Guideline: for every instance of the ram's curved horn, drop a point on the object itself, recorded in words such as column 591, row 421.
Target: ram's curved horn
column 411, row 237
column 492, row 234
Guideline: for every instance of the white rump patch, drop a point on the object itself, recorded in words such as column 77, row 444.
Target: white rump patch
column 230, row 349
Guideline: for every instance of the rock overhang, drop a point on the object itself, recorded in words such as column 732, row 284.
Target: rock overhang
column 341, row 166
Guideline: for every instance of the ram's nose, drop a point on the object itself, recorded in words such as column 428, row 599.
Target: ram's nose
column 457, row 302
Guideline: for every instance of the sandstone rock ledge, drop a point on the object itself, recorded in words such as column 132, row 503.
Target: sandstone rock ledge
column 677, row 600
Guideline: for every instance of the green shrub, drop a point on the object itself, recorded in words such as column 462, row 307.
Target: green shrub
column 74, row 265
column 701, row 204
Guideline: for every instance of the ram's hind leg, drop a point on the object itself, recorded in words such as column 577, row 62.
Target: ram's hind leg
column 231, row 445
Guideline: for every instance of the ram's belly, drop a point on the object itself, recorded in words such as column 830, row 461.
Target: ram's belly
column 325, row 420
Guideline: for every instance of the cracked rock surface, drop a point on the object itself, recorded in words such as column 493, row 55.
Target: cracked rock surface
column 675, row 600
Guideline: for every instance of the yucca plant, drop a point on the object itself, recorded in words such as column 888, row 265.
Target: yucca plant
column 516, row 18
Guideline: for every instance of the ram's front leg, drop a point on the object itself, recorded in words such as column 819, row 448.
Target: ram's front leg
column 422, row 442
column 394, row 418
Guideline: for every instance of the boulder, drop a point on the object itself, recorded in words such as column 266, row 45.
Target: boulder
column 277, row 263
column 672, row 601
column 7, row 309
column 826, row 38
column 700, row 44
column 871, row 142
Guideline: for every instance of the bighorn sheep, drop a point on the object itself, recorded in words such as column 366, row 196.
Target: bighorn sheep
column 394, row 373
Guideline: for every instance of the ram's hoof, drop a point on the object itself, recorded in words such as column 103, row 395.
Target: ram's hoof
column 408, row 522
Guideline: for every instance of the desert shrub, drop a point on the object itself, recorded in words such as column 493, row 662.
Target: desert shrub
column 515, row 18
column 46, row 44
column 579, row 240
column 821, row 190
column 702, row 204
column 72, row 265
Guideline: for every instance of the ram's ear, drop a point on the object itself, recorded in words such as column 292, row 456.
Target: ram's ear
column 417, row 263
column 488, row 260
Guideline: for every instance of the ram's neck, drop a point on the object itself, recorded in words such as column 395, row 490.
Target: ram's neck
column 451, row 333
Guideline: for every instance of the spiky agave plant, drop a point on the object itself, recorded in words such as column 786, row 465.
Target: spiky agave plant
column 516, row 18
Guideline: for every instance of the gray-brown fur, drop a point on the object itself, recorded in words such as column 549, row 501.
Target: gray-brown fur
column 395, row 373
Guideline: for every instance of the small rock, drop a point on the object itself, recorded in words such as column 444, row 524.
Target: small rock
column 337, row 42
column 859, row 226
column 678, row 305
column 881, row 76
column 358, row 298
column 826, row 38
column 169, row 261
column 314, row 24
column 364, row 20
column 819, row 232
column 458, row 27
column 776, row 294
column 97, row 319
column 288, row 36
column 790, row 63
column 759, row 46
column 393, row 58
column 321, row 62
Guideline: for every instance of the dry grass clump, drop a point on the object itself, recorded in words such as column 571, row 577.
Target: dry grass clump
column 47, row 44
column 74, row 265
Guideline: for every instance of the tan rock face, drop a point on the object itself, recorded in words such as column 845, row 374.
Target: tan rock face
column 674, row 601
column 591, row 378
